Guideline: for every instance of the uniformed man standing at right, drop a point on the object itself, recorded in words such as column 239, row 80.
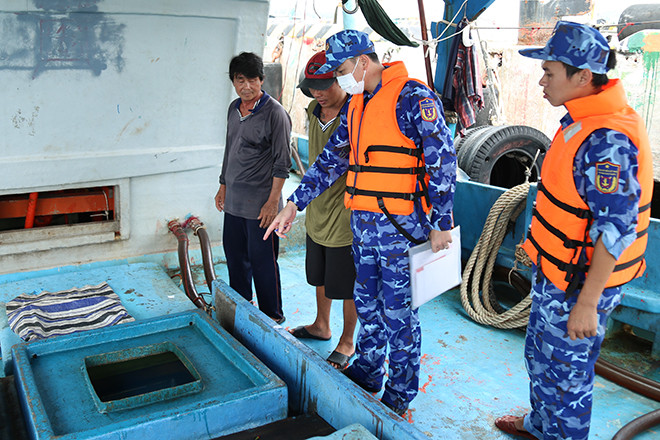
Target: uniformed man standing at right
column 588, row 233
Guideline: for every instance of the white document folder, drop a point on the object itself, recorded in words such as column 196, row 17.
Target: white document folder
column 432, row 274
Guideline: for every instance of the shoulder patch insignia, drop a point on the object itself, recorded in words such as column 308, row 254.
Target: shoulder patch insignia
column 427, row 109
column 607, row 177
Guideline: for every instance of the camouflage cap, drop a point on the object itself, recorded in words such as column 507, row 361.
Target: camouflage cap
column 575, row 44
column 344, row 45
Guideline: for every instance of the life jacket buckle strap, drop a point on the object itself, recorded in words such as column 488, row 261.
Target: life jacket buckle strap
column 420, row 172
column 575, row 244
column 577, row 212
column 381, row 205
column 415, row 152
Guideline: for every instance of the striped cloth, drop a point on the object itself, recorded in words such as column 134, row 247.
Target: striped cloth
column 49, row 314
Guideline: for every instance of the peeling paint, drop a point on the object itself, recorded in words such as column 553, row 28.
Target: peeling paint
column 650, row 84
column 21, row 121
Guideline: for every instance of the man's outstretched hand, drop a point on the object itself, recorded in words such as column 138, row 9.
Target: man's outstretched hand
column 282, row 222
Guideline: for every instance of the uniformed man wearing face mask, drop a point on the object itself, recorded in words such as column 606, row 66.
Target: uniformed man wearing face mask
column 401, row 167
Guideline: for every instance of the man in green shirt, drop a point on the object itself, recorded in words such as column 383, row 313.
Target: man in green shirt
column 329, row 262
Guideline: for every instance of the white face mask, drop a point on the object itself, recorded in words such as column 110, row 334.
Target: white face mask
column 349, row 84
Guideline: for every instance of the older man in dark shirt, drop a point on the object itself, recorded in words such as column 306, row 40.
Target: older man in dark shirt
column 256, row 162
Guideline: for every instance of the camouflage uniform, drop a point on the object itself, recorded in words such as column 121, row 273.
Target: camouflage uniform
column 561, row 370
column 382, row 286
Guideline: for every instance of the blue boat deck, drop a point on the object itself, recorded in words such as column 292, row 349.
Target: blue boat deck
column 470, row 374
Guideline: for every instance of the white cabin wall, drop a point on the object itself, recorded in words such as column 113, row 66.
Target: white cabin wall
column 136, row 94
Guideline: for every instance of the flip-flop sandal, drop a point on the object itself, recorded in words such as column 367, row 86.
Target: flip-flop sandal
column 302, row 333
column 508, row 425
column 339, row 360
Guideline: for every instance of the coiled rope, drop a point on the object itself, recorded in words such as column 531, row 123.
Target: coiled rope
column 478, row 271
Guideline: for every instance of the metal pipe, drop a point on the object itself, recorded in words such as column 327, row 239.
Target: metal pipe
column 184, row 264
column 296, row 157
column 638, row 425
column 425, row 46
column 31, row 210
column 627, row 379
column 207, row 255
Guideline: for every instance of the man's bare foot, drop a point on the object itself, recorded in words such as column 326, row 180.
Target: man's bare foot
column 513, row 425
column 519, row 423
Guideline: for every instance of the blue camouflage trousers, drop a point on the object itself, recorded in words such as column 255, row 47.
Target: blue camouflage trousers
column 383, row 304
column 561, row 371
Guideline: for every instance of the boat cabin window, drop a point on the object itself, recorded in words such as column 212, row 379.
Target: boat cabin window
column 57, row 218
column 57, row 208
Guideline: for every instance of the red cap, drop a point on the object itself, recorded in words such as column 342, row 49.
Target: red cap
column 313, row 81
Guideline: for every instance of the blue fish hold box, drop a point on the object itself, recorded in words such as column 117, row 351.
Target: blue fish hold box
column 179, row 376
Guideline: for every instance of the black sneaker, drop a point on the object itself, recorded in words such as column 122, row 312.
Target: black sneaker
column 367, row 388
column 398, row 411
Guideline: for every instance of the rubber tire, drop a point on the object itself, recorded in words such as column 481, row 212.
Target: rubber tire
column 469, row 149
column 645, row 14
column 461, row 141
column 499, row 156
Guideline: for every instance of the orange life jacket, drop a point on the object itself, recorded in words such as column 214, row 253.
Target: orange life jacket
column 386, row 170
column 559, row 231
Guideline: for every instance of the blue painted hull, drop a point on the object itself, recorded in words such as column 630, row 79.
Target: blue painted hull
column 470, row 373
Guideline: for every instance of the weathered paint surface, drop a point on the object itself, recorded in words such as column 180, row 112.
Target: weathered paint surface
column 238, row 391
column 65, row 35
column 523, row 104
column 314, row 385
column 537, row 17
column 126, row 94
column 640, row 70
column 650, row 54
